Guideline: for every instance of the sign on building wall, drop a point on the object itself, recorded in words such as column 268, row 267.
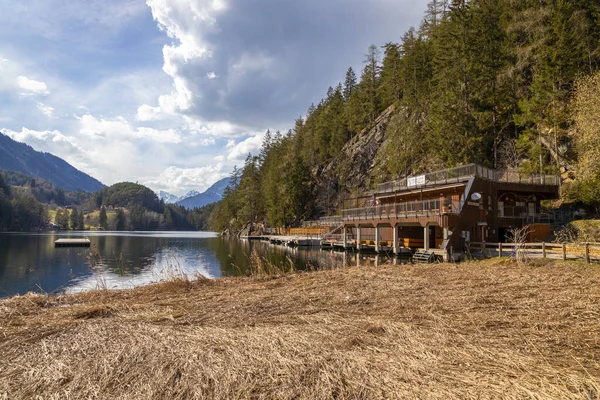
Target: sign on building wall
column 416, row 181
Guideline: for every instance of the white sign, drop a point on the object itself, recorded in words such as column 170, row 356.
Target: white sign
column 416, row 181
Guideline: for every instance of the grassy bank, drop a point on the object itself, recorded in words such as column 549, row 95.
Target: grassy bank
column 475, row 331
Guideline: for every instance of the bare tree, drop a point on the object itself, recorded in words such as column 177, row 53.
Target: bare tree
column 518, row 237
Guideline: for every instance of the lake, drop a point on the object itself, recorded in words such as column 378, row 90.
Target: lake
column 116, row 260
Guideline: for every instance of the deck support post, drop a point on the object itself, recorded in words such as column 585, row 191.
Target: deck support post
column 587, row 252
column 543, row 249
column 426, row 237
column 377, row 248
column 358, row 238
column 345, row 238
column 396, row 248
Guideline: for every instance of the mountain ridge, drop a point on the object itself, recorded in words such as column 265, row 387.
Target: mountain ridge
column 211, row 195
column 20, row 157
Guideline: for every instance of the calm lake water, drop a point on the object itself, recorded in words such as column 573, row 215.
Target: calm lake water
column 115, row 260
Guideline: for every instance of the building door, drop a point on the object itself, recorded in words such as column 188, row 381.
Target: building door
column 502, row 235
column 530, row 212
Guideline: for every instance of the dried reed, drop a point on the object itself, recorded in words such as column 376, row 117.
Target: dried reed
column 484, row 330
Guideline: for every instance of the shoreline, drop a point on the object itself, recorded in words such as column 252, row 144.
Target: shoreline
column 471, row 330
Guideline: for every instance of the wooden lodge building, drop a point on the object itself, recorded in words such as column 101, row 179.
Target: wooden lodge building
column 442, row 211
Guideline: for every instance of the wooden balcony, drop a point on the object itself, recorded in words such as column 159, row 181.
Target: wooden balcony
column 406, row 212
column 463, row 173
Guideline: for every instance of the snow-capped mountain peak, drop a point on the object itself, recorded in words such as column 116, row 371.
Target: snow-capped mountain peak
column 189, row 194
column 168, row 198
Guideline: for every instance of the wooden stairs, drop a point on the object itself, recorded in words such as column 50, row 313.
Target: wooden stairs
column 424, row 257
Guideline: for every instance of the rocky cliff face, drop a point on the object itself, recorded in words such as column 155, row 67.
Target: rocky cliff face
column 354, row 170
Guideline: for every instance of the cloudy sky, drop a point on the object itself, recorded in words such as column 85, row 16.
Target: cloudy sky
column 174, row 93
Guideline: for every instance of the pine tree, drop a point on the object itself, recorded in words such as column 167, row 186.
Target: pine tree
column 368, row 86
column 349, row 83
column 103, row 219
column 120, row 220
column 74, row 219
column 389, row 89
column 266, row 146
column 62, row 218
column 80, row 222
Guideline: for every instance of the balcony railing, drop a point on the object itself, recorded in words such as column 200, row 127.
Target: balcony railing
column 465, row 172
column 525, row 218
column 425, row 208
column 330, row 221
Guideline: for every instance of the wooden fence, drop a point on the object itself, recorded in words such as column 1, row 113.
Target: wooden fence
column 590, row 252
column 307, row 232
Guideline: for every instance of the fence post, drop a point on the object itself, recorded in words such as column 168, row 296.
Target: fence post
column 564, row 249
column 543, row 249
column 587, row 253
column 499, row 249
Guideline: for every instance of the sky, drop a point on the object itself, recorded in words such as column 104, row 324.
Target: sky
column 173, row 93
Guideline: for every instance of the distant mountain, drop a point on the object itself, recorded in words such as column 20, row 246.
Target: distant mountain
column 167, row 197
column 15, row 156
column 189, row 194
column 211, row 195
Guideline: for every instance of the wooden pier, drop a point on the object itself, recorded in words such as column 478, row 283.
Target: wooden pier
column 72, row 243
column 292, row 241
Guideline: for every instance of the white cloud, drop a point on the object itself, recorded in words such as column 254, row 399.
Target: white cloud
column 177, row 180
column 29, row 134
column 32, row 87
column 239, row 151
column 46, row 110
column 178, row 19
column 211, row 75
column 164, row 136
column 119, row 128
column 216, row 128
column 148, row 113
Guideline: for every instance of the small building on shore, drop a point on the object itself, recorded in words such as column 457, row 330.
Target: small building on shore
column 445, row 210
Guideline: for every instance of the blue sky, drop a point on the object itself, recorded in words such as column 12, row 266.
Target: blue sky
column 174, row 93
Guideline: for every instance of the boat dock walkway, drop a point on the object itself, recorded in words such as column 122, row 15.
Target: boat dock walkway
column 330, row 243
column 292, row 241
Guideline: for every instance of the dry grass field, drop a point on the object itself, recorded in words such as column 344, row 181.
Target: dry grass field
column 485, row 330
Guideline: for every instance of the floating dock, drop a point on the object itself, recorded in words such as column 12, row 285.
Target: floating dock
column 72, row 243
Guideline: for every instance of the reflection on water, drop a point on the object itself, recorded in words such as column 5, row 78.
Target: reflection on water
column 29, row 262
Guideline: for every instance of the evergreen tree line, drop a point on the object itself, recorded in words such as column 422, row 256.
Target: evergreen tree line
column 19, row 212
column 479, row 81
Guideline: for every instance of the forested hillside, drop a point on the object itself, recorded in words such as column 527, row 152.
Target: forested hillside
column 502, row 83
column 138, row 208
column 44, row 191
column 19, row 211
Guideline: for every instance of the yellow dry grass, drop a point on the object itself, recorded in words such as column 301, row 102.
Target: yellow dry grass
column 489, row 330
